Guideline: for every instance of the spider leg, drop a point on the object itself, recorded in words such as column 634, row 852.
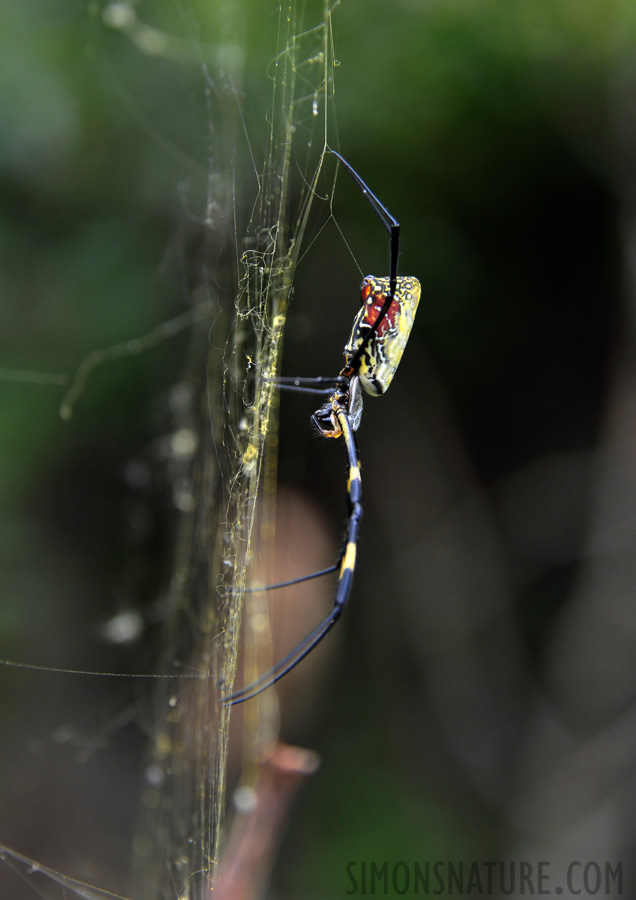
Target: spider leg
column 229, row 590
column 390, row 222
column 299, row 389
column 282, row 584
column 345, row 580
column 393, row 227
column 296, row 381
column 287, row 663
column 320, row 384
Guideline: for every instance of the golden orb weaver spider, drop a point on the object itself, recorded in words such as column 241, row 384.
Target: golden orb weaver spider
column 372, row 354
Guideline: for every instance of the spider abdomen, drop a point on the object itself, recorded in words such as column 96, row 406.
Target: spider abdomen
column 383, row 351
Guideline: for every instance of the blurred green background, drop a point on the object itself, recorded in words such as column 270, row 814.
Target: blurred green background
column 479, row 702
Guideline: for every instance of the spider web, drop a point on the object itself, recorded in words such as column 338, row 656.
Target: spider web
column 190, row 743
column 266, row 152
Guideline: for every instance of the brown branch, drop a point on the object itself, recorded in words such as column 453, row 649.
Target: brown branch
column 250, row 850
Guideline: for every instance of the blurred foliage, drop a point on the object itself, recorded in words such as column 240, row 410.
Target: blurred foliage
column 491, row 129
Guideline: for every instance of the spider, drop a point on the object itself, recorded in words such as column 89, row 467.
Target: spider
column 372, row 354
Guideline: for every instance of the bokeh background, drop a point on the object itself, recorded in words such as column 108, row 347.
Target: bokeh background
column 478, row 700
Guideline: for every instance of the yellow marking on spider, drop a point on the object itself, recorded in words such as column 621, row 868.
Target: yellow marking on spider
column 354, row 475
column 349, row 560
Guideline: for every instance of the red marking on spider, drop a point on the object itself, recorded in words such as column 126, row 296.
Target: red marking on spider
column 374, row 310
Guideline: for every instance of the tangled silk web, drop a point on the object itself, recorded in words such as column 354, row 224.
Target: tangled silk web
column 267, row 144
